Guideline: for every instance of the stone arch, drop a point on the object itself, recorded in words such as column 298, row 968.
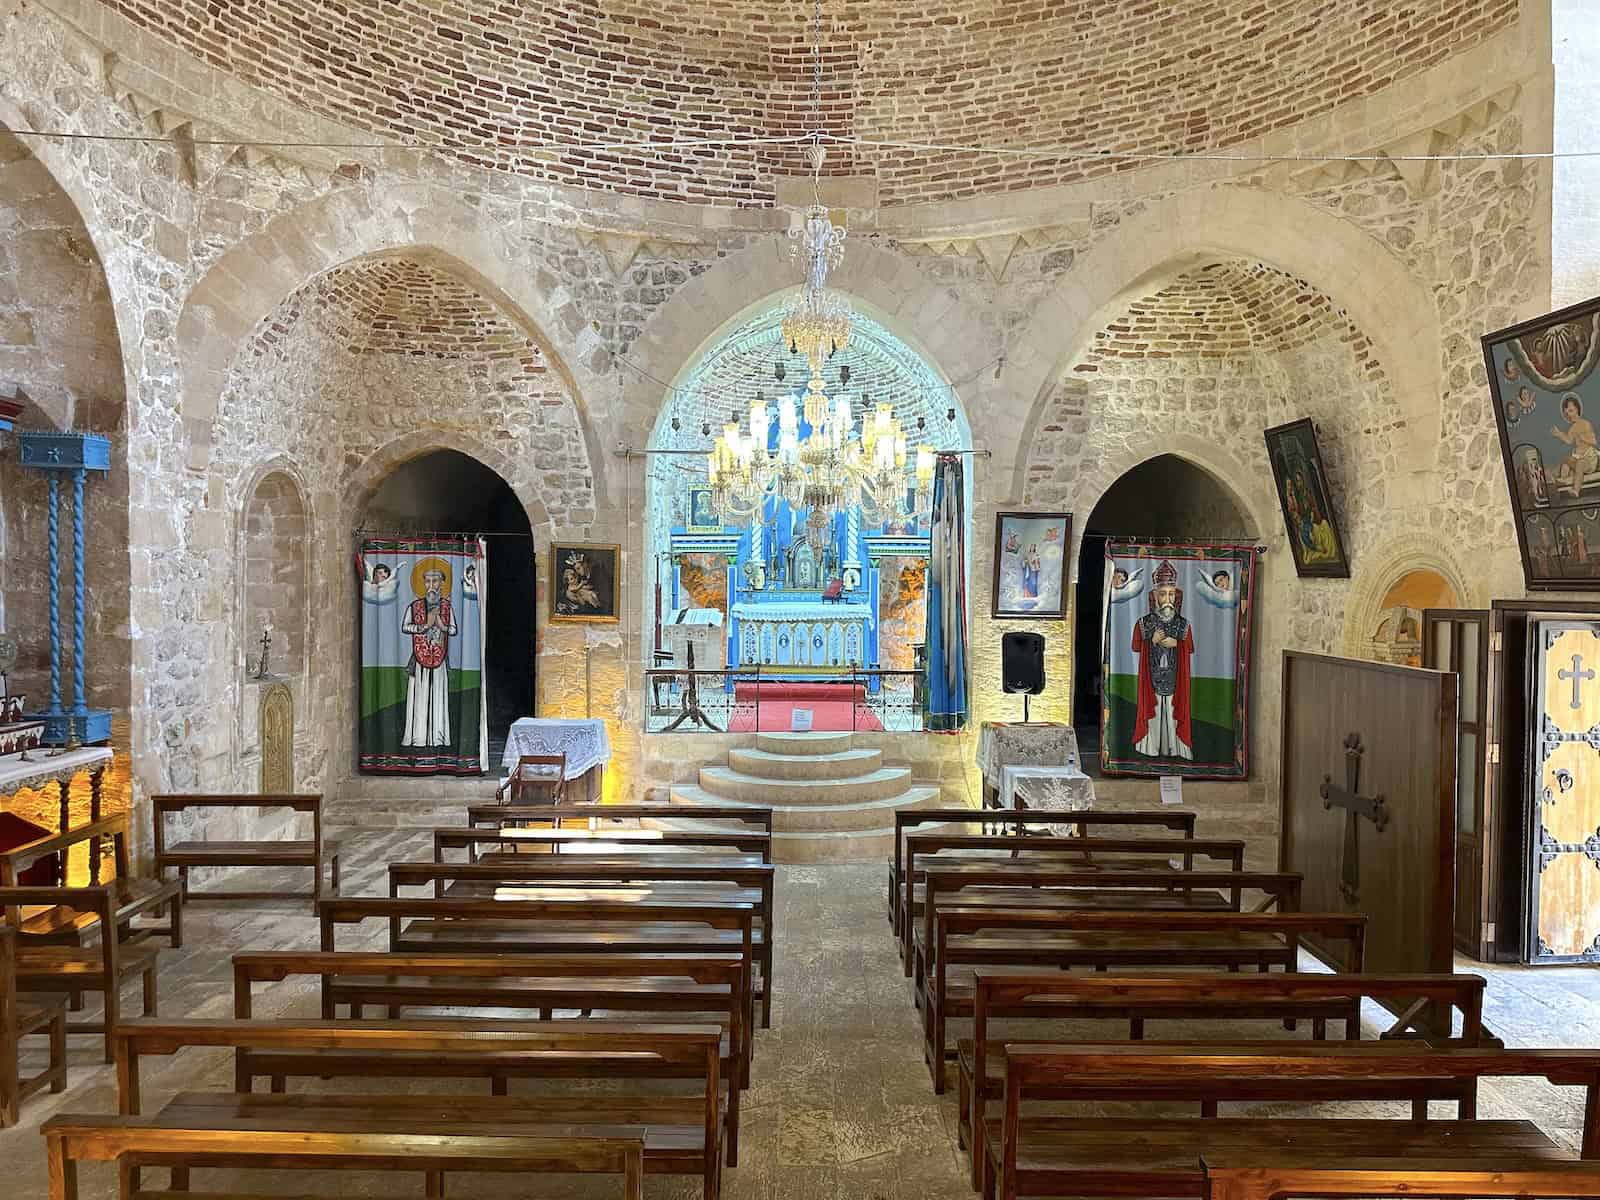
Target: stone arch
column 1353, row 269
column 1383, row 568
column 928, row 317
column 274, row 538
column 259, row 273
column 366, row 479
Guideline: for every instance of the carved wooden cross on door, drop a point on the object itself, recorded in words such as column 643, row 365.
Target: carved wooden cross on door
column 1355, row 805
column 1577, row 675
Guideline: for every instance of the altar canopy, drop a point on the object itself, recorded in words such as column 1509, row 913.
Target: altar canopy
column 1177, row 660
column 422, row 705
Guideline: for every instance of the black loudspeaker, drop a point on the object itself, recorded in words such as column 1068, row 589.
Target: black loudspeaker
column 1022, row 663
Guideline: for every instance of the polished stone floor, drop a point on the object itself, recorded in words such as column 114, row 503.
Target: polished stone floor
column 840, row 1106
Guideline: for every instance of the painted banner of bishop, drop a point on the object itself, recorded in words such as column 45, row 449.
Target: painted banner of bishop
column 1177, row 660
column 422, row 707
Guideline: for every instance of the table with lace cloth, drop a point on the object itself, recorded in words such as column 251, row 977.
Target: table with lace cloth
column 1039, row 744
column 1048, row 789
column 583, row 740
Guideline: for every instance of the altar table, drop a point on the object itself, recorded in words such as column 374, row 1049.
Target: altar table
column 802, row 633
column 1050, row 789
column 583, row 740
column 38, row 768
column 1038, row 744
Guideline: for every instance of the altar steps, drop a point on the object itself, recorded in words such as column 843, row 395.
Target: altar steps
column 830, row 802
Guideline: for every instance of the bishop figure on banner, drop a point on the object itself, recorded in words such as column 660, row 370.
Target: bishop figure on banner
column 1164, row 642
column 430, row 622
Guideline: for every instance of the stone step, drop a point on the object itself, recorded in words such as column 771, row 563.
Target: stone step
column 728, row 784
column 802, row 743
column 847, row 816
column 840, row 764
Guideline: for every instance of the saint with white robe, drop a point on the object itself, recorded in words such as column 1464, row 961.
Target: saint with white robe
column 430, row 623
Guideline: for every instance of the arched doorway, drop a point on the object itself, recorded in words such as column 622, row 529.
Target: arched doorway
column 1163, row 497
column 446, row 491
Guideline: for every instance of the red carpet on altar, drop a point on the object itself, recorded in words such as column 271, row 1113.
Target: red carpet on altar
column 769, row 707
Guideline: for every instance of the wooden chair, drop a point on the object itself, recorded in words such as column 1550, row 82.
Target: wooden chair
column 537, row 779
column 1244, row 1175
column 316, row 853
column 324, row 1142
column 69, row 970
column 19, row 1019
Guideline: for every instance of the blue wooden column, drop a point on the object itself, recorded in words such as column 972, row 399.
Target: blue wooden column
column 68, row 457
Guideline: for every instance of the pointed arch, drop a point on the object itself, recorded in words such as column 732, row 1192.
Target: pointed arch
column 1354, row 270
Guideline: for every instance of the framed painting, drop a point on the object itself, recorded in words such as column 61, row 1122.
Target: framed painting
column 585, row 582
column 1030, row 565
column 1546, row 392
column 703, row 511
column 1308, row 515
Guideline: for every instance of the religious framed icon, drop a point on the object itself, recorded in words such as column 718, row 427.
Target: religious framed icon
column 703, row 511
column 1545, row 393
column 1308, row 515
column 1030, row 565
column 585, row 582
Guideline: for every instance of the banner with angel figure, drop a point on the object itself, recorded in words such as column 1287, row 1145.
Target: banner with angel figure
column 422, row 707
column 1177, row 660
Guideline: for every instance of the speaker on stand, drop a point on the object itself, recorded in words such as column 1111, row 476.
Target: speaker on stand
column 1022, row 666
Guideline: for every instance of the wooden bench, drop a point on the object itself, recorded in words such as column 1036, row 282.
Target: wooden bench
column 669, row 987
column 686, row 880
column 316, row 853
column 1136, row 999
column 1061, row 939
column 682, row 1134
column 1178, row 821
column 498, row 816
column 1090, row 853
column 20, row 1018
column 321, row 1143
column 617, row 840
column 134, row 897
column 1026, row 885
column 578, row 924
column 64, row 969
column 1033, row 1155
column 1242, row 1175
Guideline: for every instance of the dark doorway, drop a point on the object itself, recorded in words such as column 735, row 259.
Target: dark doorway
column 1164, row 497
column 450, row 492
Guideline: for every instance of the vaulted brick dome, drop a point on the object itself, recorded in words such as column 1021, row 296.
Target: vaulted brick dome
column 521, row 87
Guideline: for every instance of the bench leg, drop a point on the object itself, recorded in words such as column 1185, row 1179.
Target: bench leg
column 335, row 881
column 1419, row 1110
column 58, row 1053
column 183, row 882
column 177, row 923
column 433, row 1185
column 280, row 1085
column 497, row 1085
column 63, row 1171
column 150, row 991
column 113, row 1016
column 180, row 1179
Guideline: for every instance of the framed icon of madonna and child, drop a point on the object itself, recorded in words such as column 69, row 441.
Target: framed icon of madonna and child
column 1308, row 515
column 1546, row 396
column 1030, row 565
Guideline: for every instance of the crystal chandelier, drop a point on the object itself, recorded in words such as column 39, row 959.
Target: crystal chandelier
column 835, row 466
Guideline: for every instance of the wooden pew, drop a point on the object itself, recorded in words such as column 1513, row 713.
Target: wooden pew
column 577, row 924
column 134, row 897
column 1026, row 885
column 326, row 1144
column 1136, row 999
column 498, row 816
column 686, row 880
column 1031, row 1155
column 1060, row 939
column 20, row 1018
column 1242, row 1175
column 64, row 969
column 1102, row 854
column 617, row 840
column 1172, row 820
column 670, row 987
column 682, row 1134
column 315, row 853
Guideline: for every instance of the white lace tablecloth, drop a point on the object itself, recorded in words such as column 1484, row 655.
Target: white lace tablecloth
column 1048, row 789
column 16, row 774
column 1002, row 744
column 583, row 740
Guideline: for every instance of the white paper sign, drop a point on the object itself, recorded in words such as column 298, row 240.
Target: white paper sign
column 800, row 720
column 1172, row 789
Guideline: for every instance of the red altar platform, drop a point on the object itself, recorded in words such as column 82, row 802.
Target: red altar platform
column 769, row 707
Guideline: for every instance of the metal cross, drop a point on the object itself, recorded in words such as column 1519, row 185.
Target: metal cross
column 1577, row 675
column 1355, row 805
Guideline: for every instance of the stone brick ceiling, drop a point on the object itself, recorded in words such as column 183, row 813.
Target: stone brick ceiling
column 488, row 78
column 1225, row 310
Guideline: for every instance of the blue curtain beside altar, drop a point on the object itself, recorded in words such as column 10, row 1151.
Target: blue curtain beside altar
column 947, row 601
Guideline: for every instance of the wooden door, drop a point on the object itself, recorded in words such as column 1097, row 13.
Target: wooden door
column 1563, row 826
column 1457, row 640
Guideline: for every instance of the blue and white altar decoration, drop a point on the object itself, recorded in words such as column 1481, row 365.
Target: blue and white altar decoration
column 68, row 457
column 947, row 600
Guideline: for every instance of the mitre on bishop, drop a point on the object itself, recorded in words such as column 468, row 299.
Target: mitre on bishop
column 1166, row 575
